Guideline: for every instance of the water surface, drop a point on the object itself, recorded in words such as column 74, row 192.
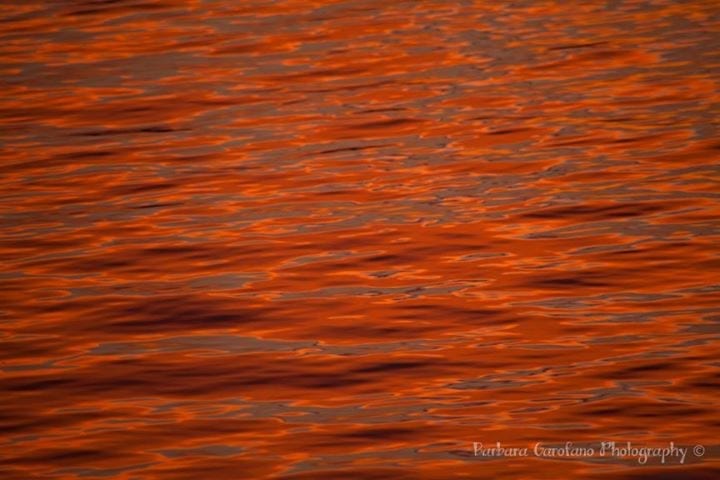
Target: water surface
column 347, row 239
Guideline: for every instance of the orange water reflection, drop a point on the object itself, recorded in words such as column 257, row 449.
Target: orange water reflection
column 347, row 239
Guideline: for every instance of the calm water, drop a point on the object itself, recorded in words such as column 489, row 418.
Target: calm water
column 347, row 239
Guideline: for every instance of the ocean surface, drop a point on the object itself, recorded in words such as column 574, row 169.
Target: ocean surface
column 358, row 239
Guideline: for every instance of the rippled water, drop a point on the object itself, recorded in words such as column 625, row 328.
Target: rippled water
column 347, row 239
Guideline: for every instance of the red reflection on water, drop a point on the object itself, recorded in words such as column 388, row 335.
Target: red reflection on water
column 345, row 239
